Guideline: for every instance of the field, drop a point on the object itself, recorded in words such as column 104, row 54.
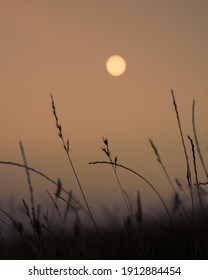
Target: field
column 182, row 233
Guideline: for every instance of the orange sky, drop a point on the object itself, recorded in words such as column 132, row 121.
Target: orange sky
column 61, row 47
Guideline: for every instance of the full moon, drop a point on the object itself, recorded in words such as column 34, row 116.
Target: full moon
column 116, row 65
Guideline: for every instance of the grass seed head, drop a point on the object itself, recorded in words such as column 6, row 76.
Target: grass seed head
column 105, row 141
column 59, row 187
column 106, row 151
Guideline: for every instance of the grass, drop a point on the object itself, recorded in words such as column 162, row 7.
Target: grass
column 61, row 233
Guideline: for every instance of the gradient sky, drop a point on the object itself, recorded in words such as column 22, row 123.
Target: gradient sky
column 61, row 47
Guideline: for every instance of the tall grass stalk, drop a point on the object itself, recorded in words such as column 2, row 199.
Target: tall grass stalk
column 162, row 165
column 54, row 201
column 177, row 201
column 196, row 140
column 188, row 171
column 106, row 150
column 196, row 178
column 66, row 148
column 29, row 181
column 35, row 223
column 55, row 208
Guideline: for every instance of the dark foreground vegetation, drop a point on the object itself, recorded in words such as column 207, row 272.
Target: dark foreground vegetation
column 60, row 233
column 182, row 242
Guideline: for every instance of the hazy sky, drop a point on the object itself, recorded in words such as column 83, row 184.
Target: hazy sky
column 61, row 47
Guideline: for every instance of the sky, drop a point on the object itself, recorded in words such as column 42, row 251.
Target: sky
column 60, row 48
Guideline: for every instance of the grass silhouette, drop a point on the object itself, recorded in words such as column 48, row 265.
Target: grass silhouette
column 60, row 233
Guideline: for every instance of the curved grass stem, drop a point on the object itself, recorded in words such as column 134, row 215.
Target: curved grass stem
column 141, row 177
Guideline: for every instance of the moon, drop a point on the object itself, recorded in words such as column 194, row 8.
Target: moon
column 116, row 65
